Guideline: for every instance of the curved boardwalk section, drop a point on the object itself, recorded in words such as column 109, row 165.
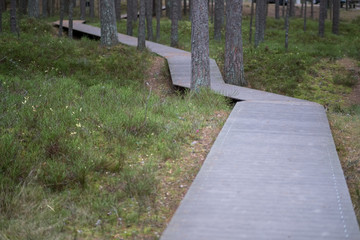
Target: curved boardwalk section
column 272, row 173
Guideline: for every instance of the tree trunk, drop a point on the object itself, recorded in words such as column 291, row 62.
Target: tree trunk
column 108, row 23
column 292, row 8
column 33, row 8
column 302, row 9
column 149, row 15
column 219, row 19
column 288, row 11
column 305, row 15
column 168, row 8
column 174, row 23
column 129, row 24
column 135, row 12
column 322, row 18
column 260, row 21
column 44, row 9
column 13, row 26
column 1, row 10
column 82, row 9
column 234, row 63
column 22, row 6
column 185, row 7
column 118, row 10
column 212, row 11
column 158, row 16
column 200, row 61
column 283, row 8
column 141, row 29
column 71, row 11
column 92, row 9
column 251, row 20
column 336, row 16
column 62, row 6
column 277, row 9
column 312, row 9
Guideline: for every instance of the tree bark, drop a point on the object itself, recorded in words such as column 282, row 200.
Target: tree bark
column 174, row 23
column 82, row 9
column 312, row 9
column 305, row 15
column 135, row 12
column 33, row 8
column 108, row 23
column 92, row 9
column 260, row 21
column 158, row 16
column 141, row 29
column 62, row 6
column 118, row 10
column 287, row 24
column 149, row 15
column 22, row 6
column 1, row 10
column 185, row 7
column 200, row 61
column 277, row 9
column 168, row 8
column 44, row 9
column 251, row 21
column 292, row 8
column 322, row 18
column 212, row 11
column 71, row 11
column 13, row 26
column 234, row 62
column 129, row 24
column 219, row 19
column 302, row 9
column 283, row 8
column 336, row 17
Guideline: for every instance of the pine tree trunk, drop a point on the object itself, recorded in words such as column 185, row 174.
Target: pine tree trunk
column 234, row 63
column 135, row 12
column 305, row 15
column 33, row 8
column 71, row 11
column 149, row 15
column 82, row 9
column 92, row 9
column 219, row 19
column 185, row 7
column 174, row 23
column 251, row 21
column 22, row 6
column 13, row 27
column 44, row 8
column 322, row 18
column 277, row 8
column 108, row 23
column 312, row 9
column 62, row 6
column 287, row 23
column 292, row 8
column 158, row 16
column 129, row 24
column 212, row 11
column 283, row 8
column 141, row 29
column 336, row 16
column 260, row 21
column 1, row 10
column 118, row 10
column 168, row 8
column 302, row 9
column 200, row 61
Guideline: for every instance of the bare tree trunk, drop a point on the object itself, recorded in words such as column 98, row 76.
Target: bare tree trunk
column 322, row 18
column 62, row 6
column 212, row 11
column 108, row 23
column 283, row 8
column 168, row 8
column 292, row 8
column 22, row 6
column 135, row 12
column 336, row 16
column 219, row 19
column 185, row 7
column 302, row 9
column 118, row 10
column 149, row 15
column 277, row 6
column 200, row 61
column 129, row 24
column 82, row 9
column 92, row 9
column 13, row 24
column 305, row 15
column 1, row 10
column 44, row 8
column 260, row 21
column 141, row 29
column 251, row 21
column 234, row 62
column 287, row 23
column 174, row 23
column 312, row 9
column 33, row 8
column 71, row 11
column 158, row 16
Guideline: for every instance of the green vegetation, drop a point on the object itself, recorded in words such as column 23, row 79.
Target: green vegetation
column 84, row 142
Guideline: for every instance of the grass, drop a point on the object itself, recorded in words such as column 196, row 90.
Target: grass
column 85, row 146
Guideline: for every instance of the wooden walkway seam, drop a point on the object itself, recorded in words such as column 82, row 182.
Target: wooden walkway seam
column 272, row 173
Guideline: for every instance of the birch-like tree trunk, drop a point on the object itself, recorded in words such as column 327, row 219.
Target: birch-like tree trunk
column 234, row 62
column 149, row 15
column 141, row 29
column 108, row 23
column 200, row 61
column 33, row 8
column 336, row 17
column 322, row 15
column 219, row 19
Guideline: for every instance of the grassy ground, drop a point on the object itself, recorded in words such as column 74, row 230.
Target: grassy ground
column 88, row 151
column 312, row 69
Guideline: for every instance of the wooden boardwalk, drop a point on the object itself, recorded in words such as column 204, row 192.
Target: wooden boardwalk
column 272, row 173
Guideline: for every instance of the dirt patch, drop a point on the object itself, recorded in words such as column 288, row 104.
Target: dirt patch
column 352, row 66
